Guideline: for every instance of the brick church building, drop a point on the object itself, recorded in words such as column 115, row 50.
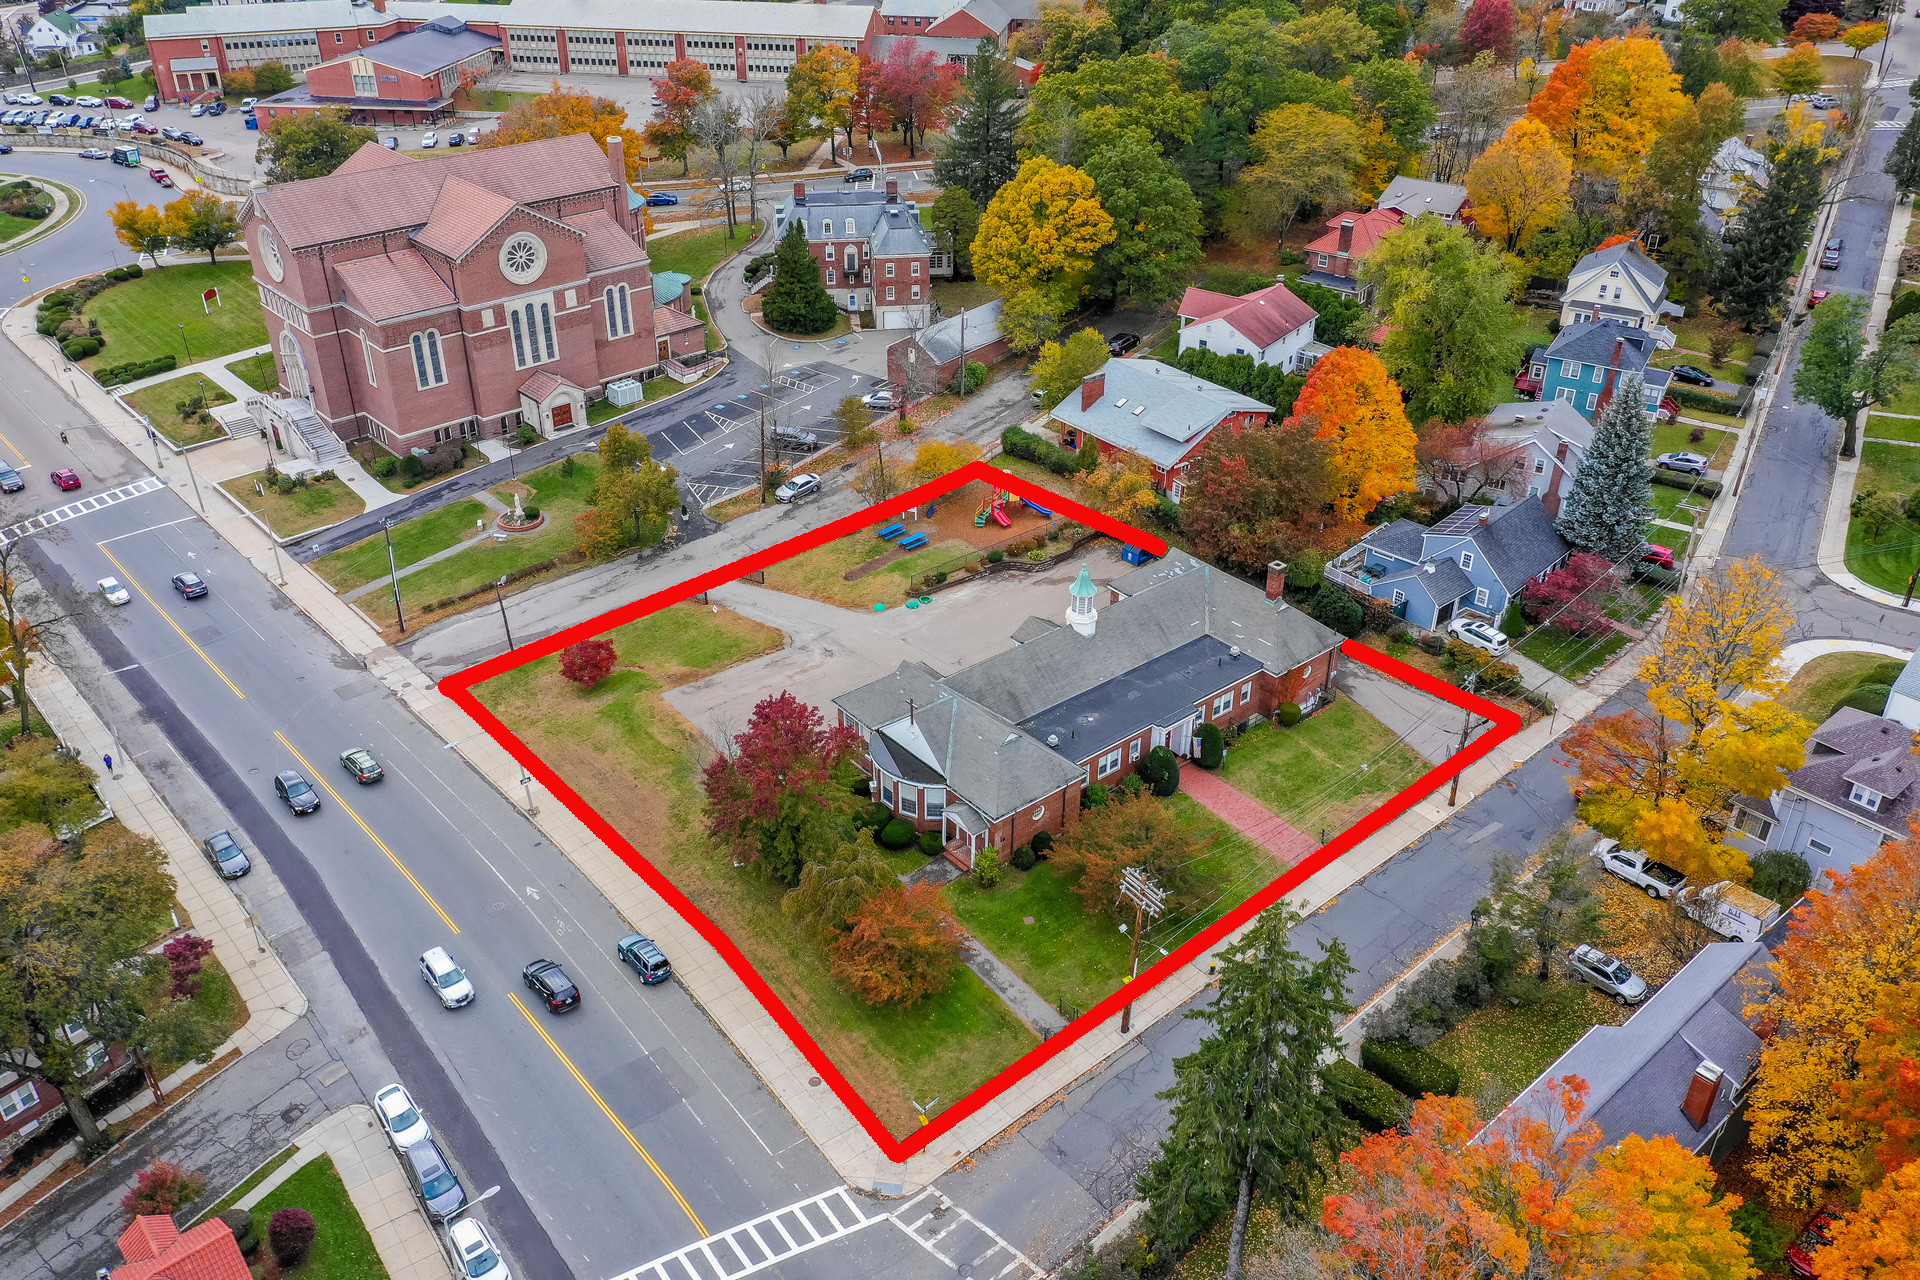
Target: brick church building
column 412, row 301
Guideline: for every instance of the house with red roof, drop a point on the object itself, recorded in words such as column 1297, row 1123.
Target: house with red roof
column 1334, row 259
column 155, row 1249
column 1271, row 325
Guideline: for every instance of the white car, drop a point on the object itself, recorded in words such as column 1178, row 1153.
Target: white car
column 473, row 137
column 429, row 139
column 88, row 100
column 1479, row 635
column 113, row 591
column 448, row 980
column 32, row 100
column 403, row 1121
column 197, row 109
column 479, row 1257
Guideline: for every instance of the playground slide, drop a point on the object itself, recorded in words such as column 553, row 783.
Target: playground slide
column 1000, row 516
column 1036, row 507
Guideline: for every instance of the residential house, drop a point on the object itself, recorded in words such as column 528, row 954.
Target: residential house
column 937, row 350
column 408, row 79
column 1903, row 702
column 1855, row 792
column 28, row 1107
column 873, row 253
column 90, row 14
column 1737, row 167
column 1620, row 283
column 1587, row 361
column 1002, row 749
column 1547, row 441
column 1153, row 411
column 1334, row 259
column 1446, row 201
column 155, row 1249
column 1476, row 561
column 951, row 28
column 61, row 33
column 1679, row 1067
column 1270, row 324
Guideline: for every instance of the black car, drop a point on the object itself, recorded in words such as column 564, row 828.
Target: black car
column 859, row 175
column 296, row 791
column 59, row 99
column 1830, row 256
column 192, row 139
column 11, row 481
column 551, row 983
column 647, row 960
column 6, row 148
column 226, row 855
column 217, row 109
column 1692, row 374
column 190, row 585
column 1121, row 343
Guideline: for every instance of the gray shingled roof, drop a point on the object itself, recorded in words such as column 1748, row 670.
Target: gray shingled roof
column 995, row 767
column 1519, row 542
column 1639, row 1072
column 1153, row 409
column 1160, row 692
column 1555, row 417
column 1441, row 580
column 1846, row 741
column 1167, row 604
column 1909, row 681
column 1035, row 626
column 1402, row 538
column 1415, row 196
column 428, row 49
column 885, row 699
column 1592, row 343
column 979, row 326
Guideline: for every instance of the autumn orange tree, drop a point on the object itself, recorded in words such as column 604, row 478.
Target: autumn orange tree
column 1528, row 1196
column 1519, row 184
column 1358, row 408
column 1881, row 1239
column 903, row 946
column 1140, row 831
column 1883, row 1096
column 687, row 85
column 1121, row 487
column 1851, row 947
column 1607, row 101
column 562, row 111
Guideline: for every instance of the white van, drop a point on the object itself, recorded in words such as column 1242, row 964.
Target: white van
column 1730, row 910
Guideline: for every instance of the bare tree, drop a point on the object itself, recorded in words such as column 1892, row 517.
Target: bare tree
column 716, row 128
column 1475, row 105
column 763, row 121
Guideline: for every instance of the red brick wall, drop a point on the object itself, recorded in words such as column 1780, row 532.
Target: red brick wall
column 992, row 353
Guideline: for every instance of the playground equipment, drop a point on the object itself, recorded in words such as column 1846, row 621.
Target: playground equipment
column 1036, row 507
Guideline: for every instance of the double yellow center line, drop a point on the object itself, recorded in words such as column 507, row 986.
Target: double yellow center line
column 135, row 583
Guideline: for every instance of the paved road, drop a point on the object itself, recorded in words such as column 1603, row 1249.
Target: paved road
column 83, row 246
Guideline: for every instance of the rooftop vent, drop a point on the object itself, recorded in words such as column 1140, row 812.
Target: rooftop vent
column 1117, row 403
column 1233, row 651
column 1139, row 409
column 1053, row 739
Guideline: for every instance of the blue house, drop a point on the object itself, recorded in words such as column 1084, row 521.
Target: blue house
column 1587, row 361
column 1473, row 562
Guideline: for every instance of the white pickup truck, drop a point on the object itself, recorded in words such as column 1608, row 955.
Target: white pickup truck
column 1637, row 869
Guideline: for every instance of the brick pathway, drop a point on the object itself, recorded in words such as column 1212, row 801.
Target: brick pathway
column 1245, row 814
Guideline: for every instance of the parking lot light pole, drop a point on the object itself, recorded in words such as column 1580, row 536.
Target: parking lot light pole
column 500, row 600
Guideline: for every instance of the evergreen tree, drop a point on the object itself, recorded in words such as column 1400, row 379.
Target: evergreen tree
column 1751, row 278
column 983, row 152
column 1250, row 1112
column 1607, row 509
column 796, row 300
column 1903, row 162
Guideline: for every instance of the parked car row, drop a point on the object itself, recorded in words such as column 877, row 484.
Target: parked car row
column 84, row 100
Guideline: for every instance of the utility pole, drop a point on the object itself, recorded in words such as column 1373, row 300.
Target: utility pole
column 386, row 527
column 1148, row 900
column 1466, row 727
column 499, row 582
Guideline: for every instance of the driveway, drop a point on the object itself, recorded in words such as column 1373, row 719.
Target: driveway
column 1429, row 725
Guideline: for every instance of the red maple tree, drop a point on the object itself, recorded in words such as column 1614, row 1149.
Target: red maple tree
column 903, row 947
column 587, row 663
column 767, row 798
column 1489, row 25
column 1573, row 597
column 918, row 88
column 186, row 955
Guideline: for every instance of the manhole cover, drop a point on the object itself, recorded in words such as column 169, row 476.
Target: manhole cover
column 813, row 1082
column 495, row 908
column 298, row 1048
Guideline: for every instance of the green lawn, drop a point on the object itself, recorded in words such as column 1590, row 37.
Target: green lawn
column 955, row 296
column 821, row 573
column 11, row 226
column 142, row 318
column 1695, row 333
column 1907, row 401
column 309, row 507
column 159, row 403
column 1533, row 327
column 257, row 372
column 342, row 1250
column 247, row 1184
column 1572, row 656
column 637, row 761
column 216, row 1001
column 1887, row 563
column 1080, row 957
column 415, row 540
column 1318, row 774
column 1666, row 503
column 1817, row 687
column 697, row 253
column 1501, row 1049
column 1884, row 428
column 1673, row 437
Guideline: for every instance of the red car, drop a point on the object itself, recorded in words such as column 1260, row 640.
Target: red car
column 1817, row 297
column 66, row 479
column 141, row 126
column 1655, row 554
column 119, row 104
column 160, row 176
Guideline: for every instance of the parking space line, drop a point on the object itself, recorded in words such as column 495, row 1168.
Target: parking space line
column 135, row 584
column 606, row 1110
column 348, row 810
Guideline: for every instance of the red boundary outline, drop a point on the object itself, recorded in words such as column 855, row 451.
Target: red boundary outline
column 459, row 688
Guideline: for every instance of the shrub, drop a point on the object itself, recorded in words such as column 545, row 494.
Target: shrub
column 290, row 1234
column 1363, row 1097
column 412, row 470
column 1042, row 841
column 1213, row 745
column 1538, row 700
column 1414, row 1072
column 1335, row 607
column 1515, row 621
column 1674, row 480
column 443, row 458
column 995, row 557
column 940, row 576
column 384, row 467
column 531, row 513
column 1780, row 875
column 588, row 662
column 285, row 484
column 1130, row 786
column 1870, row 698
column 1766, row 1239
column 898, row 834
column 930, row 842
column 986, row 868
column 873, row 817
column 1696, row 435
column 863, row 787
column 568, row 466
column 80, row 348
column 163, row 1187
column 1021, row 443
column 526, row 435
column 1095, row 796
column 1161, row 771
column 1433, row 644
column 240, row 1222
column 1024, row 857
column 1289, row 714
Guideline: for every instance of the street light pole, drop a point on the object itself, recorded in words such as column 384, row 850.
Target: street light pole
column 500, row 600
column 185, row 344
column 484, row 1195
column 386, row 527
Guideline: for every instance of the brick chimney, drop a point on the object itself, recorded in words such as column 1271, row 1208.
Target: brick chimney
column 1276, row 578
column 1346, row 236
column 893, row 190
column 1702, row 1090
column 616, row 160
column 800, row 192
column 381, row 5
column 1092, row 387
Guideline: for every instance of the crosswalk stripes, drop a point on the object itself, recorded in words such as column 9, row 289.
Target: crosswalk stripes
column 47, row 519
column 971, row 1247
column 1889, row 124
column 763, row 1242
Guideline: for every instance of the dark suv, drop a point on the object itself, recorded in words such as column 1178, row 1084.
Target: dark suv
column 226, row 855
column 551, row 983
column 647, row 960
column 296, row 791
column 1121, row 343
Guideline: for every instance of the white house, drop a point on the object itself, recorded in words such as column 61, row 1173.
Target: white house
column 1271, row 325
column 1548, row 440
column 1736, row 166
column 1620, row 283
column 57, row 31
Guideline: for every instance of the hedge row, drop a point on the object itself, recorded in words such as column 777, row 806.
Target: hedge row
column 1414, row 1072
column 1697, row 484
column 115, row 374
column 1024, row 444
column 1364, row 1098
column 1712, row 402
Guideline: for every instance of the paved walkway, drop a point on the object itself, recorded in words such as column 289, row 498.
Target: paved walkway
column 1027, row 1004
column 1245, row 814
column 1428, row 725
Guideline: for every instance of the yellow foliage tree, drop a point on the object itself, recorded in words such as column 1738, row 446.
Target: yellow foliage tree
column 1359, row 410
column 1608, row 101
column 1799, row 72
column 1519, row 184
column 1122, row 488
column 822, row 85
column 1880, row 1240
column 1722, row 641
column 936, row 458
column 1041, row 231
column 1666, row 1221
column 1673, row 831
column 562, row 111
column 143, row 228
